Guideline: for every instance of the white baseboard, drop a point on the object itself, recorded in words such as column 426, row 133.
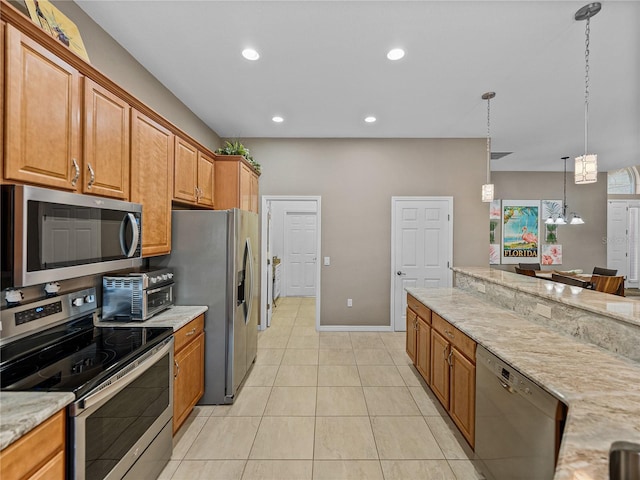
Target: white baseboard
column 355, row 328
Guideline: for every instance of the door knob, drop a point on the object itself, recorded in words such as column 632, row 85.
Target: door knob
column 399, row 273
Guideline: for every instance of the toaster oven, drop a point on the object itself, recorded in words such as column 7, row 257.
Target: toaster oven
column 137, row 296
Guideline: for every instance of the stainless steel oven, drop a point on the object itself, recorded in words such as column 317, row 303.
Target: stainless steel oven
column 49, row 235
column 126, row 419
column 120, row 424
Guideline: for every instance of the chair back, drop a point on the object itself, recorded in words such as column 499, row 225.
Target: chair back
column 528, row 273
column 529, row 266
column 567, row 280
column 606, row 284
column 606, row 272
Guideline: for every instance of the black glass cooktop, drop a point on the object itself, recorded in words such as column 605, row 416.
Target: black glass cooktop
column 73, row 357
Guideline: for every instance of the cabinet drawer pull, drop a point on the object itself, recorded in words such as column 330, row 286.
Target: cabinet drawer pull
column 449, row 358
column 193, row 331
column 175, row 375
column 74, row 180
column 92, row 176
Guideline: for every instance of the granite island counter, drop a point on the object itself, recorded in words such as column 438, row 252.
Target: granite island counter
column 600, row 388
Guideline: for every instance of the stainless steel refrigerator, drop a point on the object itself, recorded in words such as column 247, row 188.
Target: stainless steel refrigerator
column 214, row 257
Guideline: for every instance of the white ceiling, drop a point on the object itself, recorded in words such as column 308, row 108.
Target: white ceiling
column 323, row 67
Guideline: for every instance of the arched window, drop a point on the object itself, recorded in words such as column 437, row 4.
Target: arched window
column 623, row 181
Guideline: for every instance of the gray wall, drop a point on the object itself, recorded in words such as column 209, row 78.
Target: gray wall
column 356, row 179
column 115, row 62
column 583, row 246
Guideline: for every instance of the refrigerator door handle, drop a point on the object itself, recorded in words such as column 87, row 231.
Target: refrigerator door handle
column 249, row 277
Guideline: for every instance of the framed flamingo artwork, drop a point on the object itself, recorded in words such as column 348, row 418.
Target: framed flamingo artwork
column 520, row 231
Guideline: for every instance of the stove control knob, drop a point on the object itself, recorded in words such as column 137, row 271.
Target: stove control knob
column 170, row 275
column 153, row 279
column 89, row 299
column 164, row 276
column 77, row 302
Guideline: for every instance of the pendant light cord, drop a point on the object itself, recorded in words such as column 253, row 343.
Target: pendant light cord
column 489, row 140
column 586, row 85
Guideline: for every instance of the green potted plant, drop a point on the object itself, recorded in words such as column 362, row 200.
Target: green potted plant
column 237, row 148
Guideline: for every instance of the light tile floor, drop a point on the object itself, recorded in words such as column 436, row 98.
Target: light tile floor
column 323, row 406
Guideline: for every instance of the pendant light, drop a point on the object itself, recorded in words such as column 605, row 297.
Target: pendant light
column 562, row 218
column 586, row 170
column 488, row 188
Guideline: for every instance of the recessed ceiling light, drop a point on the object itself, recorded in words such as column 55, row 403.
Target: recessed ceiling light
column 277, row 119
column 395, row 54
column 370, row 119
column 250, row 54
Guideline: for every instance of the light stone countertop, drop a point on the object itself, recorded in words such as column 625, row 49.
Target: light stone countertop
column 21, row 412
column 175, row 317
column 601, row 389
column 626, row 309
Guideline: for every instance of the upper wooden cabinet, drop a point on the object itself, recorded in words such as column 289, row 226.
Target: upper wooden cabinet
column 106, row 156
column 236, row 183
column 42, row 107
column 152, row 181
column 193, row 175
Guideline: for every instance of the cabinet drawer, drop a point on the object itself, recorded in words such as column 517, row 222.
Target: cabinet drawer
column 187, row 333
column 458, row 339
column 422, row 311
column 28, row 454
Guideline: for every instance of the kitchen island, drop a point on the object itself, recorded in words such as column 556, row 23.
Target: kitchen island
column 600, row 388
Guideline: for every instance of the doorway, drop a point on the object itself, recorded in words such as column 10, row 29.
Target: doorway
column 290, row 237
column 421, row 248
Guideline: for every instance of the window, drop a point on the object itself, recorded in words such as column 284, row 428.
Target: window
column 623, row 181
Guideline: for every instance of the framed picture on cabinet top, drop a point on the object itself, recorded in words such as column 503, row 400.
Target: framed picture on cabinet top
column 56, row 24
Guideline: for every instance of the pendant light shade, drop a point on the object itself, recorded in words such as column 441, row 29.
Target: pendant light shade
column 586, row 169
column 488, row 188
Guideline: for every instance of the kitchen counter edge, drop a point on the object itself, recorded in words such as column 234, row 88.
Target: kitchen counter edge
column 175, row 317
column 21, row 412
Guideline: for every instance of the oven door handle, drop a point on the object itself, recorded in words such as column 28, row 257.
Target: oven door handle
column 124, row 377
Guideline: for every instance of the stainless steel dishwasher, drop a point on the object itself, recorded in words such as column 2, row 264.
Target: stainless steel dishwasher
column 518, row 424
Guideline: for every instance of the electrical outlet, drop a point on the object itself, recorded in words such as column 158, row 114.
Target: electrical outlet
column 481, row 288
column 327, row 261
column 349, row 302
column 543, row 310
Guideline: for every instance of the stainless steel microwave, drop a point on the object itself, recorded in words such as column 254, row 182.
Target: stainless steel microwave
column 49, row 235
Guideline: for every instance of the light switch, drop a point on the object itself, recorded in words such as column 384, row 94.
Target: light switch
column 327, row 261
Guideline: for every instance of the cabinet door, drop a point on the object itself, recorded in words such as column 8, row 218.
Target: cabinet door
column 205, row 180
column 245, row 187
column 188, row 383
column 151, row 181
column 42, row 108
column 463, row 394
column 411, row 334
column 423, row 349
column 106, row 143
column 254, row 193
column 440, row 367
column 185, row 172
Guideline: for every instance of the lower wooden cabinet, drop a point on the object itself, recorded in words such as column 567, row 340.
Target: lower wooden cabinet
column 188, row 373
column 412, row 325
column 446, row 359
column 40, row 454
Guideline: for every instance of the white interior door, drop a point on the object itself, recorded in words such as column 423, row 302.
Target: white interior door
column 300, row 258
column 617, row 240
column 422, row 248
column 268, row 264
